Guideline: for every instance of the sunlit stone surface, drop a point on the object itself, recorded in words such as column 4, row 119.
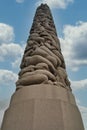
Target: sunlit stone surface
column 43, row 99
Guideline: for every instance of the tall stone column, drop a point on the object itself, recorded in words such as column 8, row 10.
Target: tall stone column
column 43, row 99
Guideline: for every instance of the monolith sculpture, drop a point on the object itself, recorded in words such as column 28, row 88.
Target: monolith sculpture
column 43, row 99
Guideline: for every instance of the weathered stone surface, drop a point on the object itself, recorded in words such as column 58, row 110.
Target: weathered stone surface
column 43, row 99
column 42, row 107
column 43, row 47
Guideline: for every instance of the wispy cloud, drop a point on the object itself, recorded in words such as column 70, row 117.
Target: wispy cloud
column 10, row 50
column 3, row 106
column 74, row 45
column 17, row 61
column 62, row 4
column 81, row 84
column 7, row 77
column 6, row 33
column 83, row 110
column 20, row 1
column 1, row 116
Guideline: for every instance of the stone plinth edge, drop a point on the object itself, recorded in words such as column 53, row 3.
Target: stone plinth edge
column 42, row 92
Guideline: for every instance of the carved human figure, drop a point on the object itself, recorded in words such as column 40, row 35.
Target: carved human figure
column 43, row 62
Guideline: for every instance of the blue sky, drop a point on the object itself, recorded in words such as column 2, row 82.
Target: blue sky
column 70, row 18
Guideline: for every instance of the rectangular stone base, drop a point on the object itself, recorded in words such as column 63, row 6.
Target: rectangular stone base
column 42, row 112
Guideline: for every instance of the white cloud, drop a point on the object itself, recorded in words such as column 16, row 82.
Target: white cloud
column 1, row 116
column 17, row 62
column 11, row 50
column 83, row 110
column 74, row 45
column 56, row 3
column 77, row 100
column 7, row 77
column 19, row 1
column 75, row 85
column 3, row 106
column 6, row 33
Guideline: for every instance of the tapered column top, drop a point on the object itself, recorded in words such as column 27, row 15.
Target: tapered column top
column 43, row 62
column 43, row 19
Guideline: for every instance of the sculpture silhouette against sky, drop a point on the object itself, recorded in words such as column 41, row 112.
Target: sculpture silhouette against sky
column 43, row 62
column 43, row 99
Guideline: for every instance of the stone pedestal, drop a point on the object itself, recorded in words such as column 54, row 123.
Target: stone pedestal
column 42, row 107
